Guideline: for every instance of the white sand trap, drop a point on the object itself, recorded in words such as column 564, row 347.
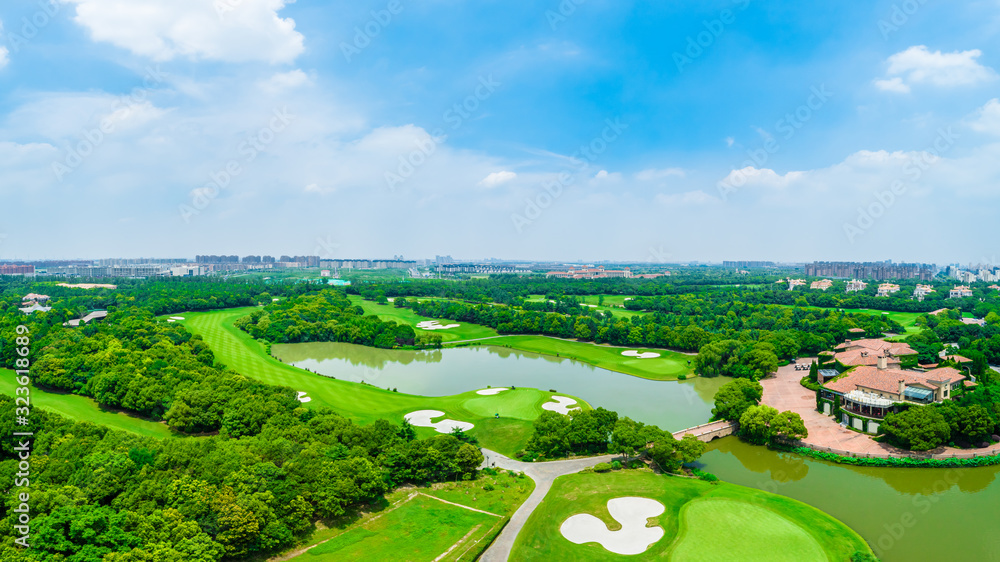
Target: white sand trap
column 435, row 325
column 633, row 538
column 170, row 320
column 491, row 391
column 303, row 398
column 422, row 418
column 640, row 354
column 177, row 318
column 561, row 405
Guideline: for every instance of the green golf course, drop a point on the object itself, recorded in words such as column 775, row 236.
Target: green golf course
column 666, row 367
column 388, row 312
column 365, row 403
column 702, row 522
column 82, row 408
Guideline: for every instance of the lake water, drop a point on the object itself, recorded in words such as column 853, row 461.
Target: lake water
column 668, row 404
column 905, row 514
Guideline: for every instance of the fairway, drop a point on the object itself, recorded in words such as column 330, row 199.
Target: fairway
column 702, row 521
column 666, row 367
column 388, row 312
column 421, row 529
column 82, row 408
column 719, row 530
column 365, row 403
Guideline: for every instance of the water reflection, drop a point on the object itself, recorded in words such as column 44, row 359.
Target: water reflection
column 670, row 405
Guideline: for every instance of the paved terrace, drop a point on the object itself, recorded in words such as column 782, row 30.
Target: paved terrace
column 784, row 392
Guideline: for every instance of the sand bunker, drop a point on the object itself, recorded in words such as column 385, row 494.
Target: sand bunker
column 491, row 391
column 561, row 405
column 633, row 538
column 640, row 354
column 87, row 286
column 177, row 318
column 435, row 325
column 303, row 398
column 170, row 320
column 422, row 418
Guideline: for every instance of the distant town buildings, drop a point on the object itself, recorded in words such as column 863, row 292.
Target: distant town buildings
column 22, row 270
column 922, row 291
column 821, row 285
column 855, row 286
column 591, row 273
column 486, row 269
column 960, row 292
column 747, row 264
column 878, row 271
column 886, row 289
column 335, row 264
column 792, row 283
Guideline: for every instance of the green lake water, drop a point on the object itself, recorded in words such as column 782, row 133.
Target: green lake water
column 905, row 514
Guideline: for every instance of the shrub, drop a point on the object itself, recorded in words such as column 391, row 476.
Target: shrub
column 706, row 476
column 682, row 377
column 602, row 467
column 488, row 487
column 616, row 465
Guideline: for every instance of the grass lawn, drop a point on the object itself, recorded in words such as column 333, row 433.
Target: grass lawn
column 417, row 527
column 388, row 312
column 665, row 367
column 81, row 408
column 365, row 403
column 702, row 521
column 612, row 304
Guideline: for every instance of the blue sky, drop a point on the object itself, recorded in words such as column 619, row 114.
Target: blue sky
column 573, row 130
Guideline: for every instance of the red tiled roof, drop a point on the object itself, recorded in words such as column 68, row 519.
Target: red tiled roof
column 887, row 380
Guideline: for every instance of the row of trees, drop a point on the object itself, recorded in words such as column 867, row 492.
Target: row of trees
column 759, row 424
column 601, row 431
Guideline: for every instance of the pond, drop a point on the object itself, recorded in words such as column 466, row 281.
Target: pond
column 903, row 513
column 668, row 404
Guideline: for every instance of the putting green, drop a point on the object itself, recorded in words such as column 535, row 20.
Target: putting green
column 365, row 403
column 701, row 521
column 388, row 312
column 666, row 367
column 723, row 530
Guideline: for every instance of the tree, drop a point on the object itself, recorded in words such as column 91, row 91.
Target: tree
column 759, row 363
column 733, row 398
column 468, row 458
column 814, row 372
column 788, row 426
column 755, row 424
column 690, row 448
column 626, row 438
column 919, row 428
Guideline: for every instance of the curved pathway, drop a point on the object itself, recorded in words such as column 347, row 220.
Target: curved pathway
column 543, row 473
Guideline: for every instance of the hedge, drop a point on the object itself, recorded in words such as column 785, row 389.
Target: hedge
column 896, row 462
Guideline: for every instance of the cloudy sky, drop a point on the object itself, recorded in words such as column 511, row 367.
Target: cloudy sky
column 558, row 129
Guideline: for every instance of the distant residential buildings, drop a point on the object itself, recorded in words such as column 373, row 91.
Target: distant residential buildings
column 878, row 271
column 335, row 264
column 591, row 273
column 821, row 285
column 886, row 289
column 995, row 287
column 747, row 264
column 792, row 283
column 960, row 292
column 483, row 269
column 855, row 286
column 922, row 291
column 22, row 270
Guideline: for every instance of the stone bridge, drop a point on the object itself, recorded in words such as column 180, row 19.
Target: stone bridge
column 708, row 431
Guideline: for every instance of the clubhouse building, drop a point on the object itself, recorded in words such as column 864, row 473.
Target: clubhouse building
column 875, row 385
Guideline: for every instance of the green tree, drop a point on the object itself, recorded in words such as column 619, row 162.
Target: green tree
column 919, row 428
column 755, row 424
column 788, row 426
column 468, row 458
column 733, row 398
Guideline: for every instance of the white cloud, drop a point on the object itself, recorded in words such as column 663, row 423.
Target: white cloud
column 892, row 85
column 497, row 178
column 696, row 197
column 918, row 65
column 654, row 174
column 730, row 141
column 987, row 119
column 224, row 30
column 4, row 55
column 284, row 81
